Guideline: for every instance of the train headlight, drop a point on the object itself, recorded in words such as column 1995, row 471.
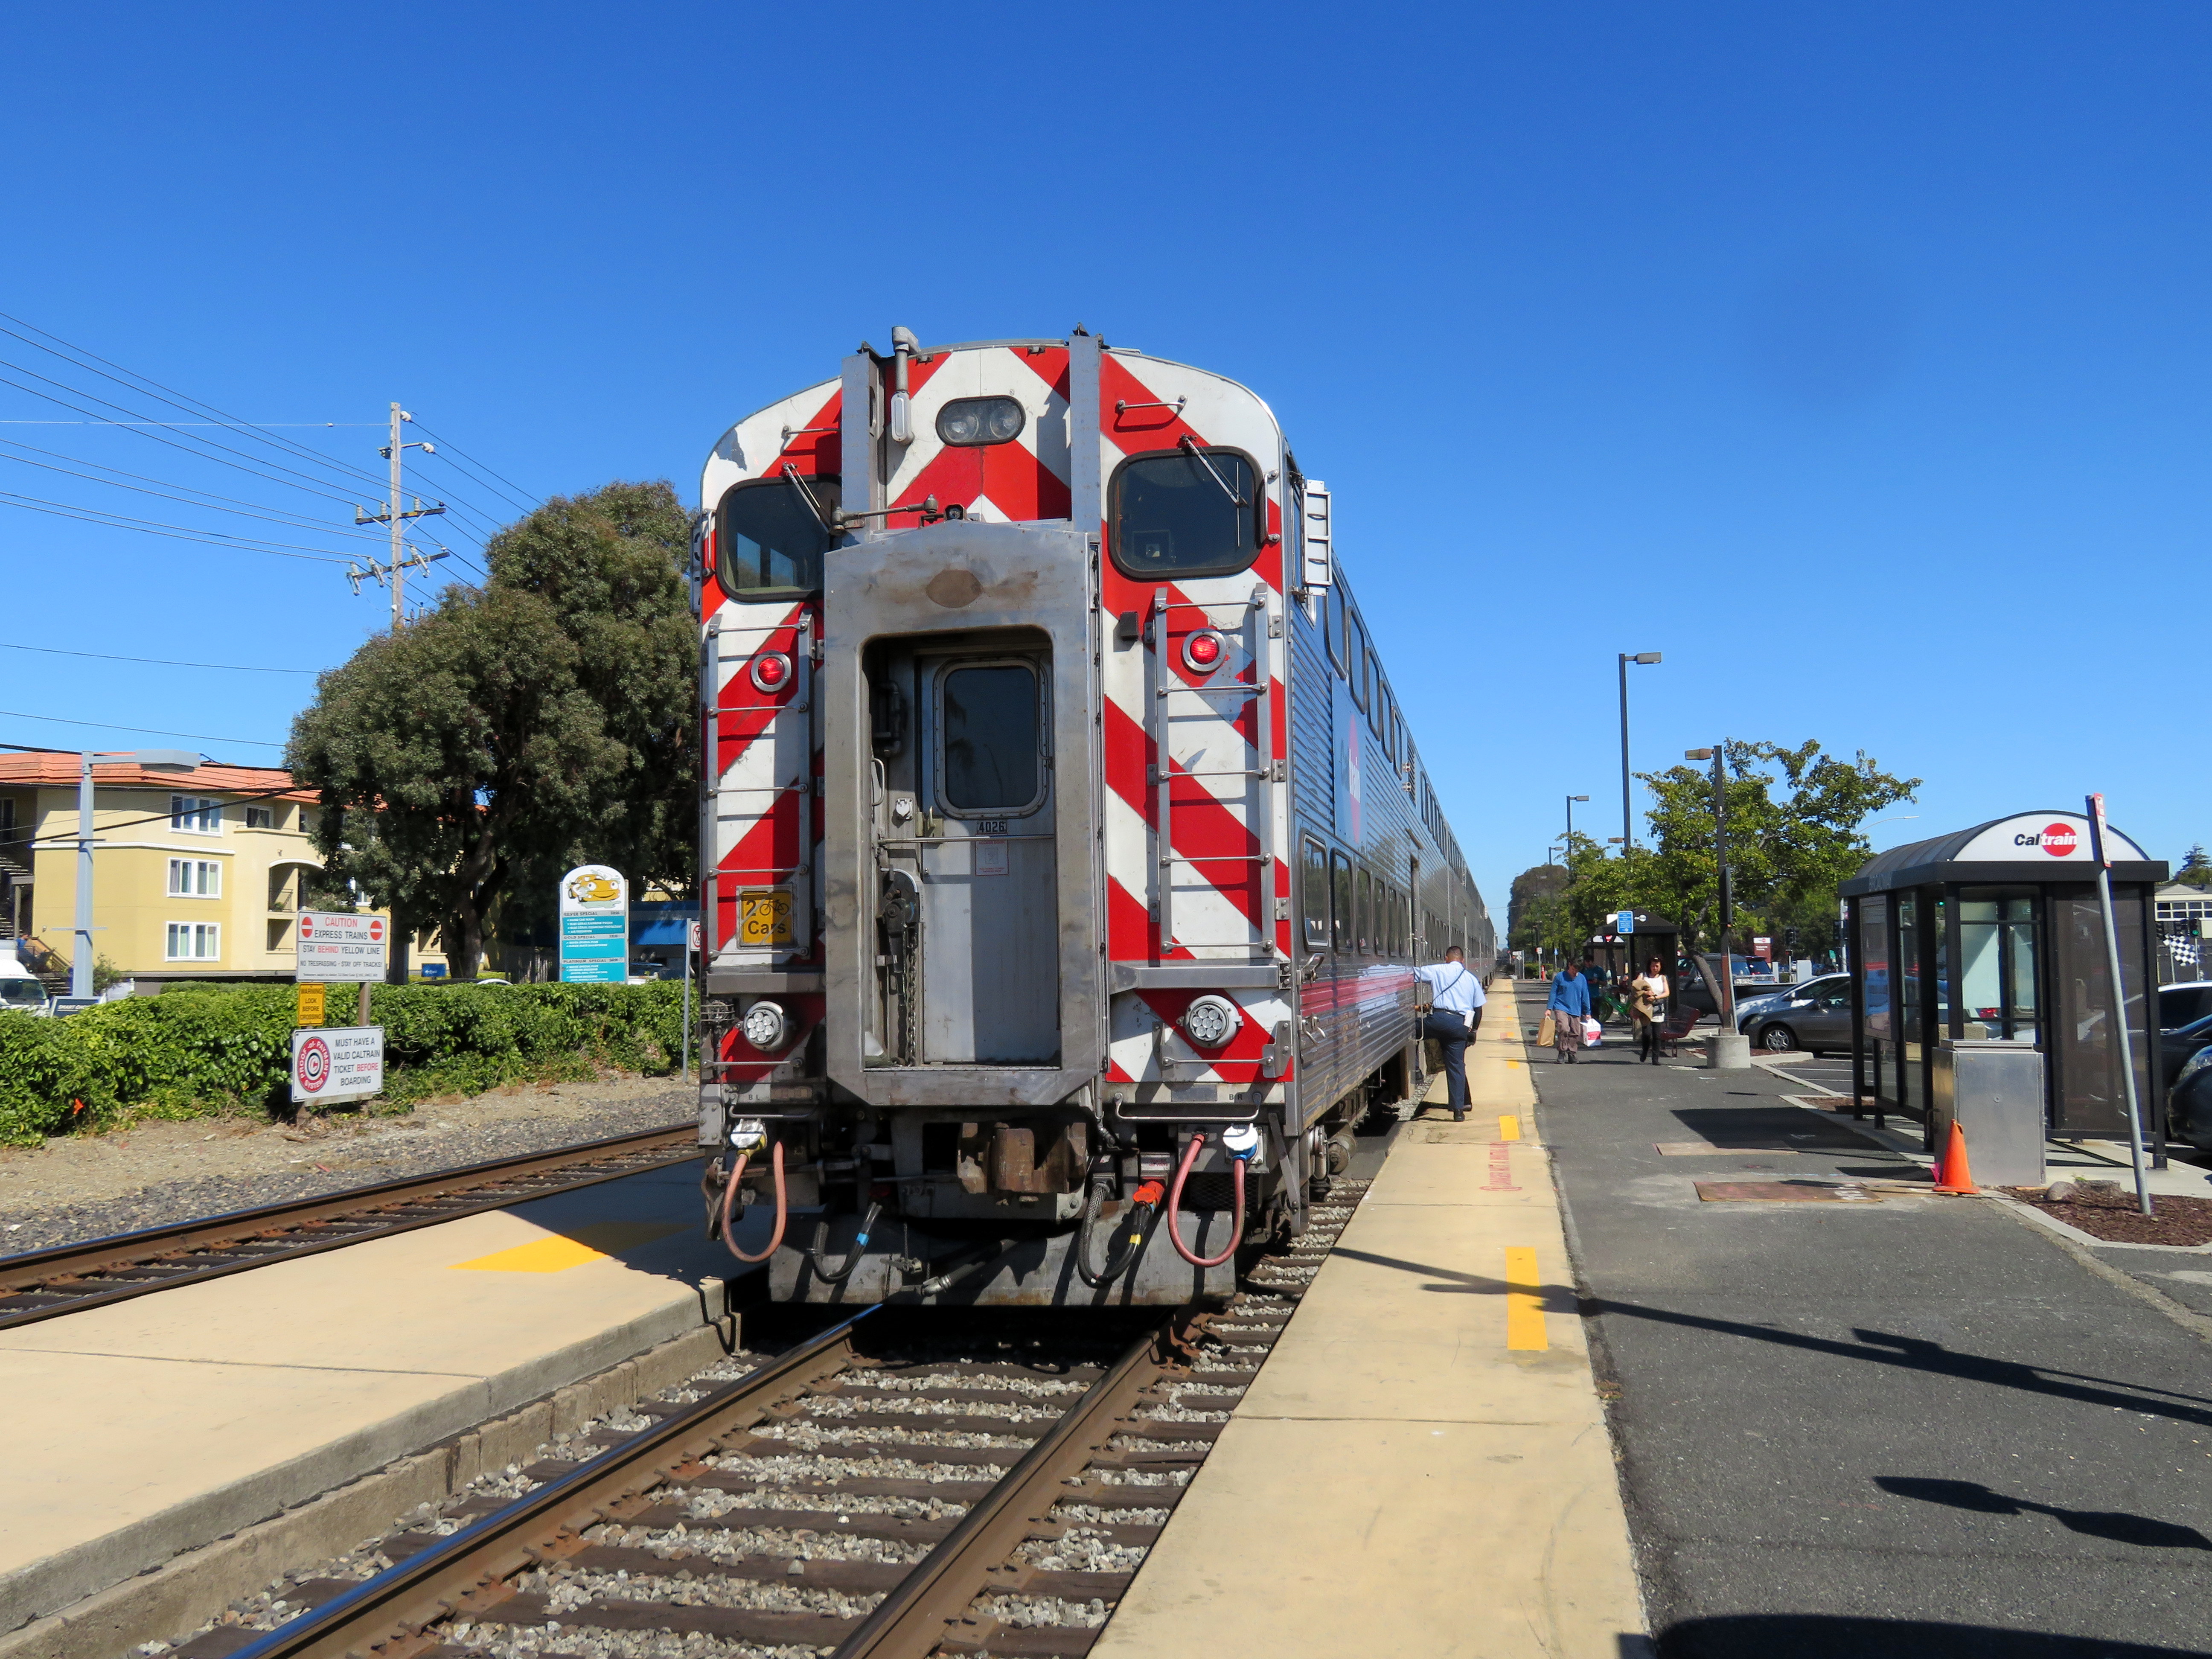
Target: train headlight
column 771, row 672
column 981, row 421
column 766, row 1026
column 1203, row 651
column 1210, row 1021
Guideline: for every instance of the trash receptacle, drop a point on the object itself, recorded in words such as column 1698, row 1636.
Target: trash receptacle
column 1994, row 1091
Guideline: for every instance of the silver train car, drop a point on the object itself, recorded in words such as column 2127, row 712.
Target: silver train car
column 1065, row 855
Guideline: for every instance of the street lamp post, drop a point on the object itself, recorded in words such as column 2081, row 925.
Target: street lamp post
column 1627, row 829
column 1725, row 996
column 153, row 760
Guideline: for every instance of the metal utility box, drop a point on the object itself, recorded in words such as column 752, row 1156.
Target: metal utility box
column 1994, row 1091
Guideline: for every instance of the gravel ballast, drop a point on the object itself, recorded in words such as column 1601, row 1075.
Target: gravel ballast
column 158, row 1173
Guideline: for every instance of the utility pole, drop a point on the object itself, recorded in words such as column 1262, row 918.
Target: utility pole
column 396, row 515
column 1627, row 826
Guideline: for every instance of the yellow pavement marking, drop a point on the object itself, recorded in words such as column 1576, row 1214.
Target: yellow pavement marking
column 593, row 1242
column 1525, row 1301
column 1508, row 1126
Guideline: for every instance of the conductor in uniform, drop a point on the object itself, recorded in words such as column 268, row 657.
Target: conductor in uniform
column 1455, row 1014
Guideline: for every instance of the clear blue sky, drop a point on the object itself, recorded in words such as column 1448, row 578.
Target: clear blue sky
column 1855, row 358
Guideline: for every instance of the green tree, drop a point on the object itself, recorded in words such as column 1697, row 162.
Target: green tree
column 2196, row 867
column 1793, row 836
column 541, row 721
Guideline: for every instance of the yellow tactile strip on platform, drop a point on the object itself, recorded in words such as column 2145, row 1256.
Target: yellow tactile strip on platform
column 596, row 1241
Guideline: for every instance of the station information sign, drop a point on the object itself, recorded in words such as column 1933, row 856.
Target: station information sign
column 594, row 905
column 344, row 1063
column 337, row 947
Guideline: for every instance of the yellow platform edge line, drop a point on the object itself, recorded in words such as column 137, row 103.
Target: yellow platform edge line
column 1525, row 1301
column 598, row 1242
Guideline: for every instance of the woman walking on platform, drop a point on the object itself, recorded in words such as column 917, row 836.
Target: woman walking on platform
column 1650, row 991
column 1570, row 1005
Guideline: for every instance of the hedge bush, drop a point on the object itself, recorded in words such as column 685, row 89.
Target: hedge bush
column 196, row 1052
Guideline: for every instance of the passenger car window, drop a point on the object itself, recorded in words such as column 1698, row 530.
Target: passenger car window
column 1339, row 881
column 766, row 541
column 1355, row 640
column 1366, row 924
column 1317, row 894
column 1173, row 513
column 989, row 760
column 1335, row 613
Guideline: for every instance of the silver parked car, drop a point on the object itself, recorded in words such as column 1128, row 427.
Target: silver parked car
column 1813, row 1016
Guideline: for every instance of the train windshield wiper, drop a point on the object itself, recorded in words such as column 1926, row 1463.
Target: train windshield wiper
column 1198, row 455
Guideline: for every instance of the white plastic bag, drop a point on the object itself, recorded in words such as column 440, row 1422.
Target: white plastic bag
column 1593, row 1033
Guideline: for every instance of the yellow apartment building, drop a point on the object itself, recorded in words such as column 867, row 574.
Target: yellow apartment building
column 196, row 875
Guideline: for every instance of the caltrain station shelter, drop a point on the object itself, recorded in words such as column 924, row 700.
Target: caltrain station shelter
column 1994, row 935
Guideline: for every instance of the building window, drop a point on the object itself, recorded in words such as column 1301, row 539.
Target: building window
column 198, row 813
column 194, row 941
column 260, row 817
column 195, row 878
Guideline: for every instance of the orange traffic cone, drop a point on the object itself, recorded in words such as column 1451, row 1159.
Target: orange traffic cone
column 1954, row 1175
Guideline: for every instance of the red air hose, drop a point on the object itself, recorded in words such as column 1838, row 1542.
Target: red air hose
column 1175, row 1206
column 782, row 1211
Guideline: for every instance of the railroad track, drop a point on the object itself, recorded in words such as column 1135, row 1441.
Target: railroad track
column 42, row 1284
column 885, row 1504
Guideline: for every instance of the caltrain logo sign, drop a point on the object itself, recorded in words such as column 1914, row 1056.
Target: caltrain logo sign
column 2059, row 840
column 313, row 1065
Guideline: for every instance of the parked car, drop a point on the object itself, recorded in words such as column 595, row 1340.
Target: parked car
column 1814, row 1016
column 1750, row 1008
column 2184, row 1003
column 2189, row 1098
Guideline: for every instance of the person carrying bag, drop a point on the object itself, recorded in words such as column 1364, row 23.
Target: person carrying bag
column 1569, row 1006
column 1454, row 1015
column 1650, row 991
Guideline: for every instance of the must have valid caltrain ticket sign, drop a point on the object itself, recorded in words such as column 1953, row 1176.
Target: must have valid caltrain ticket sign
column 337, row 947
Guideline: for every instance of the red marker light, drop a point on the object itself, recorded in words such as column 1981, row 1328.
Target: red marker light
column 771, row 671
column 1203, row 651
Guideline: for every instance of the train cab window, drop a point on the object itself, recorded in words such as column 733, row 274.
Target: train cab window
column 1339, row 881
column 990, row 760
column 768, row 541
column 1314, row 905
column 1185, row 512
column 1355, row 666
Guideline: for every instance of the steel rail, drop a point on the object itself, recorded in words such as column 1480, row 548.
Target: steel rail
column 35, row 1270
column 464, row 1573
column 910, row 1621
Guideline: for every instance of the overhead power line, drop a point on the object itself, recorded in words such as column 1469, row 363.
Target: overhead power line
column 143, row 730
column 519, row 490
column 157, row 662
column 291, row 520
column 148, row 527
column 78, row 357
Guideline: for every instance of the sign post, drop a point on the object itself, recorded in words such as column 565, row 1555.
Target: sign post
column 690, row 945
column 2120, row 1010
column 337, row 947
column 594, row 925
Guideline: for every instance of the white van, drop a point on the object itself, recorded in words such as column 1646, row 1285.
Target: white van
column 19, row 991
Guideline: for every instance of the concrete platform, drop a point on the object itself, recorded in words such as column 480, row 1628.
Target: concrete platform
column 1423, row 1466
column 158, row 1425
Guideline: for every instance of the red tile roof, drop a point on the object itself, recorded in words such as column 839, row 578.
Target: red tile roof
column 57, row 768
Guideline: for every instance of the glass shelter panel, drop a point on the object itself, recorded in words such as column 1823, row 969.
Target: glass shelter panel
column 1997, row 968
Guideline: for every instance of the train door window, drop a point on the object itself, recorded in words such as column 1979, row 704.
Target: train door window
column 990, row 732
column 1187, row 511
column 1335, row 630
column 1316, row 896
column 768, row 540
column 1364, row 927
column 1339, row 881
column 1355, row 661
